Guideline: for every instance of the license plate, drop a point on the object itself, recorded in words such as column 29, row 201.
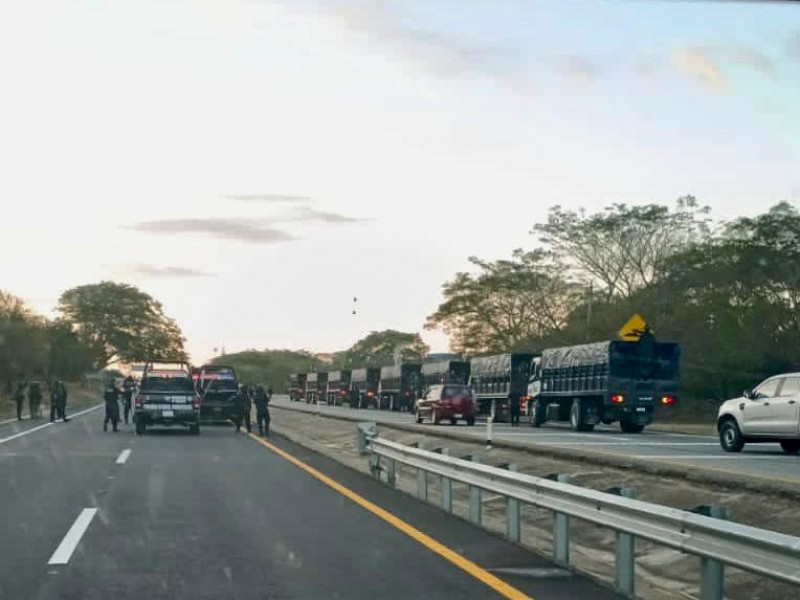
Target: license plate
column 167, row 413
column 457, row 415
column 640, row 409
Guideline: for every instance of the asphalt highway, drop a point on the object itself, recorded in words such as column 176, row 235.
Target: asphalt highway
column 766, row 461
column 91, row 515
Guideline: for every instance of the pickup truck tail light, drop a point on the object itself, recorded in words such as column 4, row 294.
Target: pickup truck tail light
column 667, row 400
column 138, row 401
column 617, row 398
column 370, row 394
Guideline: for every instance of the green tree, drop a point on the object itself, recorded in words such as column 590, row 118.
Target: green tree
column 23, row 340
column 68, row 358
column 119, row 321
column 507, row 303
column 623, row 248
column 270, row 367
column 379, row 349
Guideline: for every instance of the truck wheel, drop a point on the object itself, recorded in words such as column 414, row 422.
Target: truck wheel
column 538, row 414
column 471, row 421
column 576, row 417
column 628, row 427
column 730, row 438
column 419, row 417
column 791, row 446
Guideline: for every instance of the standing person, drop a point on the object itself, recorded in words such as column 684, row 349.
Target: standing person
column 242, row 408
column 129, row 386
column 34, row 399
column 61, row 404
column 19, row 398
column 111, row 397
column 53, row 390
column 262, row 410
column 515, row 410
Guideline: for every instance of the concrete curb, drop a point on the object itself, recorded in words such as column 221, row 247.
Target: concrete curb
column 694, row 474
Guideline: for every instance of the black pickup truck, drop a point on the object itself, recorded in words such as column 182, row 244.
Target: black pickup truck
column 167, row 397
column 218, row 387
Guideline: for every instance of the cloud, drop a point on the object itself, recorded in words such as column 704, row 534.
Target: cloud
column 224, row 229
column 698, row 64
column 437, row 53
column 748, row 57
column 306, row 213
column 155, row 271
column 276, row 198
column 576, row 69
column 646, row 65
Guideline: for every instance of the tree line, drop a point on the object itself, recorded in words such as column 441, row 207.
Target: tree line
column 728, row 292
column 95, row 325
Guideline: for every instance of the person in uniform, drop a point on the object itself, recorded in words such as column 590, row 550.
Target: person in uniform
column 129, row 387
column 243, row 407
column 53, row 392
column 34, row 399
column 262, row 410
column 19, row 398
column 61, row 405
column 514, row 408
column 111, row 397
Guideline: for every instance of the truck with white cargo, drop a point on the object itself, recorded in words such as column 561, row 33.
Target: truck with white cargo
column 604, row 382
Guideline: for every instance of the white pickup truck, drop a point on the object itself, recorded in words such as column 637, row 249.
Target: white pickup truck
column 770, row 412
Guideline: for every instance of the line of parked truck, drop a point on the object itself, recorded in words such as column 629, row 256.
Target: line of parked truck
column 603, row 382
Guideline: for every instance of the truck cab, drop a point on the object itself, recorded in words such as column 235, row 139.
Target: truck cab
column 770, row 412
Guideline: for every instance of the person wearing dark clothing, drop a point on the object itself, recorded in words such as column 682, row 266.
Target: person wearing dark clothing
column 243, row 405
column 34, row 399
column 128, row 388
column 53, row 390
column 19, row 399
column 262, row 410
column 111, row 398
column 514, row 408
column 61, row 404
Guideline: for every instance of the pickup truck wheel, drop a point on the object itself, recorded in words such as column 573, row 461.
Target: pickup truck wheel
column 628, row 427
column 791, row 446
column 730, row 438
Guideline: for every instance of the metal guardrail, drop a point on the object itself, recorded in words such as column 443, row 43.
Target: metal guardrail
column 716, row 541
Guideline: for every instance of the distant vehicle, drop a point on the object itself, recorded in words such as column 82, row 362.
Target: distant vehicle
column 445, row 371
column 297, row 386
column 400, row 386
column 167, row 397
column 316, row 387
column 604, row 382
column 218, row 387
column 447, row 402
column 500, row 379
column 768, row 413
column 364, row 385
column 339, row 387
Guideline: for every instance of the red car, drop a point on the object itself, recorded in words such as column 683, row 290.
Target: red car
column 448, row 402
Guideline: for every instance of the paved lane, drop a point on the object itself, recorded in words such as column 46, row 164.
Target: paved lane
column 757, row 460
column 170, row 515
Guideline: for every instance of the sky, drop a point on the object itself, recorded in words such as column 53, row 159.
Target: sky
column 255, row 164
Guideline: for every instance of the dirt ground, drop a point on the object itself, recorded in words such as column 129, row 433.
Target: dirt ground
column 661, row 574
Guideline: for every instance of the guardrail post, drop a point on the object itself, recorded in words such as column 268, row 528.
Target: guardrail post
column 626, row 553
column 447, row 485
column 391, row 477
column 712, row 576
column 512, row 510
column 475, row 514
column 364, row 432
column 561, row 530
column 422, row 481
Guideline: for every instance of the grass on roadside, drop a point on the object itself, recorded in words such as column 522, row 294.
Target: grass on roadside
column 79, row 396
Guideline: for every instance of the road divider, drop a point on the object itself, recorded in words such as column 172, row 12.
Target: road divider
column 73, row 537
column 466, row 565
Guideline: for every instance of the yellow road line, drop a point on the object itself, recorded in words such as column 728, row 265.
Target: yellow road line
column 497, row 584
